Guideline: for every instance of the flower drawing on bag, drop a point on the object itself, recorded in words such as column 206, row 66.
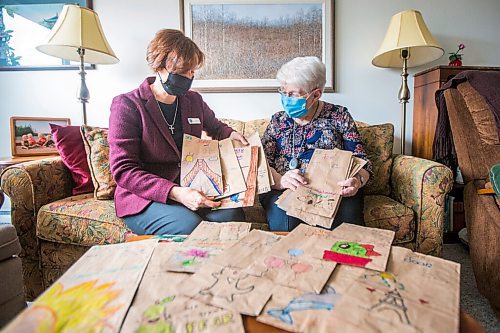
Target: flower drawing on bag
column 456, row 57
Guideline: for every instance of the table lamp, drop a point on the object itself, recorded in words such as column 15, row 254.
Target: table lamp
column 407, row 43
column 78, row 36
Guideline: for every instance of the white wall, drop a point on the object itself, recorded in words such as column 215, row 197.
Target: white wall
column 370, row 93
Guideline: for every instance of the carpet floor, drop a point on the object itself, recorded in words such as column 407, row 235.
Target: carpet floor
column 471, row 301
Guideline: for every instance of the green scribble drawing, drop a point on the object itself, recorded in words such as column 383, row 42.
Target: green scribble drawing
column 154, row 320
column 350, row 248
column 188, row 262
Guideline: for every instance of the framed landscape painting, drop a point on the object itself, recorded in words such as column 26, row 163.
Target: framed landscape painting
column 246, row 42
column 25, row 24
column 31, row 135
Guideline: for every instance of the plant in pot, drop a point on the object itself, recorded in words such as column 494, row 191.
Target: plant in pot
column 455, row 57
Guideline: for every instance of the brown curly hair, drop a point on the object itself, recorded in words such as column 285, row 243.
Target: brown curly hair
column 172, row 47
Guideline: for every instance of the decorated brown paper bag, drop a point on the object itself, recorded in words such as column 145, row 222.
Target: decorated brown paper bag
column 248, row 159
column 93, row 295
column 190, row 258
column 264, row 176
column 188, row 315
column 232, row 177
column 201, row 166
column 417, row 293
column 229, row 288
column 359, row 246
column 220, row 235
column 321, row 195
column 206, row 241
column 157, row 305
column 295, row 261
column 297, row 311
column 248, row 249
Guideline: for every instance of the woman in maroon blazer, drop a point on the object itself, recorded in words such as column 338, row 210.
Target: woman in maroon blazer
column 146, row 128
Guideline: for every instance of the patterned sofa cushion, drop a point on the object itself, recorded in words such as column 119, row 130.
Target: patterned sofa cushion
column 385, row 213
column 258, row 125
column 237, row 125
column 378, row 141
column 96, row 144
column 81, row 220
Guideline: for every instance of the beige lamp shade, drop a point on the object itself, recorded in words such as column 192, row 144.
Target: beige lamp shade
column 79, row 28
column 407, row 30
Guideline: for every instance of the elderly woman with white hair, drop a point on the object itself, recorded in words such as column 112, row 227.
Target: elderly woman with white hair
column 305, row 124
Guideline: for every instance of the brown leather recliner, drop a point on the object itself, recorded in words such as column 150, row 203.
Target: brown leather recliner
column 477, row 144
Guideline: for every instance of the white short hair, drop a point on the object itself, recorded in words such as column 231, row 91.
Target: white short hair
column 306, row 73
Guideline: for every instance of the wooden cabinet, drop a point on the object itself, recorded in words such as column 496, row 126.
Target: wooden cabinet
column 424, row 105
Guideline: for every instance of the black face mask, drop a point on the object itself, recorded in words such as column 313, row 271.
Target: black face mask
column 176, row 84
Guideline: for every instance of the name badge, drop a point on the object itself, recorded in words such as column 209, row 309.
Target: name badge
column 194, row 121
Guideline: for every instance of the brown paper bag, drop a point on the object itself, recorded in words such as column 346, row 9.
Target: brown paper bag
column 417, row 293
column 296, row 311
column 218, row 235
column 248, row 159
column 360, row 246
column 200, row 166
column 321, row 195
column 295, row 261
column 158, row 306
column 205, row 242
column 264, row 176
column 358, row 164
column 232, row 177
column 229, row 288
column 104, row 280
column 248, row 249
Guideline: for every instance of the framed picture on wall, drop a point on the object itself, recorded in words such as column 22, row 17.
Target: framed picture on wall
column 247, row 41
column 25, row 24
column 31, row 135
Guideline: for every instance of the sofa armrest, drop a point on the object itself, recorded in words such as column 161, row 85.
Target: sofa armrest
column 29, row 186
column 422, row 185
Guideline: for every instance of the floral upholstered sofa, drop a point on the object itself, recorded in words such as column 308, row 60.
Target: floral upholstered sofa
column 406, row 195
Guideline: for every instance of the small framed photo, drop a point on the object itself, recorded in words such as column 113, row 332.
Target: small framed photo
column 31, row 135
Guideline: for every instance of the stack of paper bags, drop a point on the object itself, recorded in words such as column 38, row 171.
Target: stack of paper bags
column 317, row 202
column 226, row 169
column 293, row 282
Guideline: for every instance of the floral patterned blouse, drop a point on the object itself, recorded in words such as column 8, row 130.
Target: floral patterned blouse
column 334, row 127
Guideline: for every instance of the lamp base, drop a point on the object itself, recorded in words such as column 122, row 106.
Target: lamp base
column 83, row 94
column 404, row 95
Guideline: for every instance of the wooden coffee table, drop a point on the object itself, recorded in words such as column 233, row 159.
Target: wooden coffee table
column 467, row 325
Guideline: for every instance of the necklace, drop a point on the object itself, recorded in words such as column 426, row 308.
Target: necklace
column 294, row 162
column 170, row 126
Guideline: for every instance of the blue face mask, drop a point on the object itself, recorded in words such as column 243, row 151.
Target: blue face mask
column 294, row 107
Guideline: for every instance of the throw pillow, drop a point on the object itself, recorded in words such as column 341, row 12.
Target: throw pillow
column 70, row 146
column 96, row 144
column 378, row 141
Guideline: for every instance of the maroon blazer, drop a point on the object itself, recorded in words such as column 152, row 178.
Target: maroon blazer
column 143, row 156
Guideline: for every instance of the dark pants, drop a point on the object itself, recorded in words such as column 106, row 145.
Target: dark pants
column 176, row 219
column 350, row 211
